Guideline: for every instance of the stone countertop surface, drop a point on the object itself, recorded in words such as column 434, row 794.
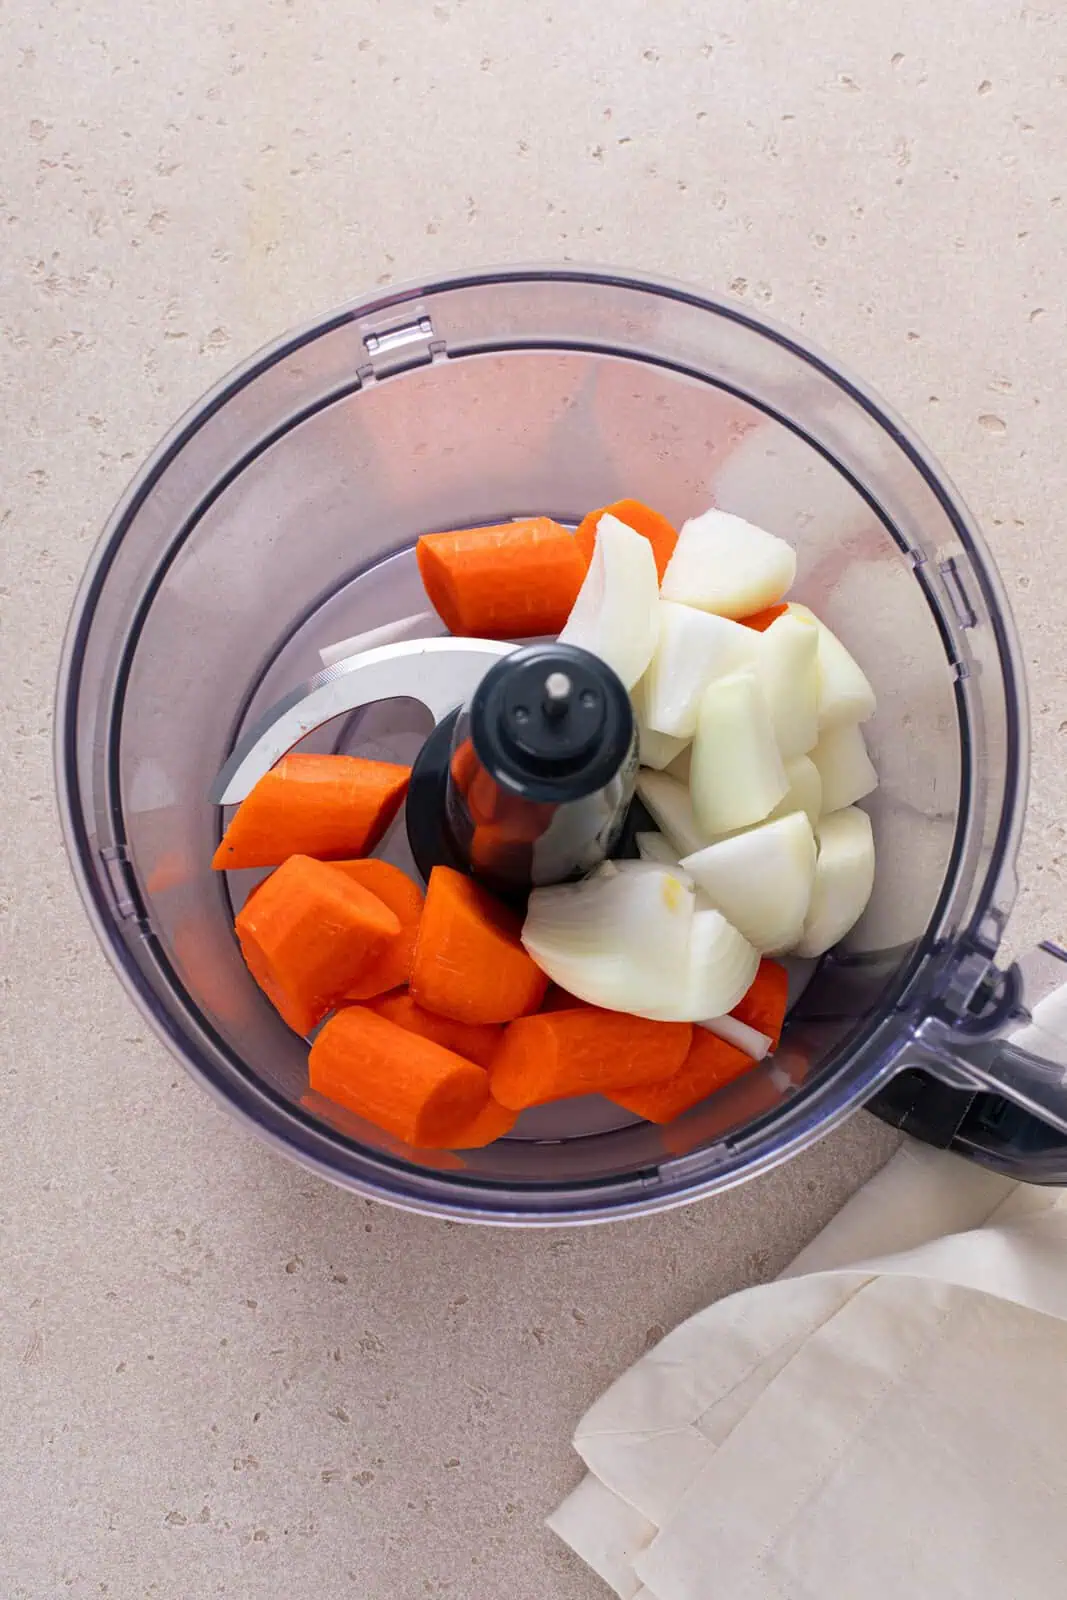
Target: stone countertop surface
column 220, row 1376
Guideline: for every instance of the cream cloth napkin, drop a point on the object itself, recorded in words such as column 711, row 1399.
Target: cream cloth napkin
column 892, row 1430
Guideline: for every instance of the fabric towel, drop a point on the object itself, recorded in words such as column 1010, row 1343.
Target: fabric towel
column 887, row 1419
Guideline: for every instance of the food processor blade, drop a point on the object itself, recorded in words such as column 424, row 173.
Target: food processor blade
column 440, row 673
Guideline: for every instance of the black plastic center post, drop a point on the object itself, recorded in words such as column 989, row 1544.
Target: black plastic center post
column 551, row 723
column 552, row 727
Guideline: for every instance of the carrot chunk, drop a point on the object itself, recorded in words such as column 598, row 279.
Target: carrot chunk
column 642, row 519
column 405, row 900
column 763, row 1007
column 559, row 1054
column 493, row 1121
column 710, row 1064
column 322, row 806
column 405, row 1084
column 504, row 849
column 469, row 961
column 482, row 796
column 761, row 620
column 344, row 1121
column 491, row 805
column 475, row 1041
column 506, row 827
column 307, row 934
column 506, row 582
column 497, row 856
column 465, row 766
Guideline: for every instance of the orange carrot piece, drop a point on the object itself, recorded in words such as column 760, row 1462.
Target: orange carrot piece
column 353, row 1127
column 405, row 900
column 465, row 766
column 763, row 1007
column 656, row 529
column 559, row 1054
column 322, row 806
column 498, row 856
column 409, row 1086
column 761, row 620
column 483, row 796
column 306, row 936
column 172, row 869
column 710, row 1065
column 469, row 961
column 491, row 805
column 475, row 1041
column 506, row 582
column 493, row 1121
column 504, row 847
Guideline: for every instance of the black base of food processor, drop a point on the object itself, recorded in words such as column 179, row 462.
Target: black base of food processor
column 986, row 1128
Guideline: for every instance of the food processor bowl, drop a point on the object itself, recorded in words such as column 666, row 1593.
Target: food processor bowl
column 280, row 516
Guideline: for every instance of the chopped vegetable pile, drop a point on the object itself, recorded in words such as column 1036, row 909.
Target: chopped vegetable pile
column 441, row 1017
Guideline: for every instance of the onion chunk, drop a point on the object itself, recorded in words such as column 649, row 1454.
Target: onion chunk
column 694, row 647
column 635, row 940
column 719, row 970
column 844, row 766
column 724, row 564
column 761, row 880
column 671, row 809
column 804, row 792
column 844, row 692
column 844, row 878
column 656, row 750
column 788, row 676
column 654, row 847
column 616, row 613
column 619, row 939
column 736, row 775
column 750, row 1040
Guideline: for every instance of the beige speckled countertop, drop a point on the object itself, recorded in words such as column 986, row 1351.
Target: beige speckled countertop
column 219, row 1376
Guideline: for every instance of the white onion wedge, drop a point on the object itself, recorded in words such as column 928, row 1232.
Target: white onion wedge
column 655, row 749
column 724, row 564
column 616, row 614
column 736, row 775
column 844, row 766
column 403, row 628
column 788, row 676
column 694, row 647
column 619, row 940
column 679, row 767
column 739, row 1034
column 845, row 695
column 671, row 809
column 761, row 880
column 804, row 792
column 844, row 878
column 654, row 847
column 717, row 974
column 658, row 750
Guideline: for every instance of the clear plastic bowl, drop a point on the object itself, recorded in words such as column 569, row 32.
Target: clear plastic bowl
column 280, row 516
